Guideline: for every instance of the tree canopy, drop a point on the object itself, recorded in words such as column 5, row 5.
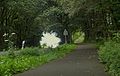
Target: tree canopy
column 29, row 18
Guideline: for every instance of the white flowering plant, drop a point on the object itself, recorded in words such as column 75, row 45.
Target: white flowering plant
column 9, row 40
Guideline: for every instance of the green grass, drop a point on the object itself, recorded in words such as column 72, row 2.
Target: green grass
column 29, row 58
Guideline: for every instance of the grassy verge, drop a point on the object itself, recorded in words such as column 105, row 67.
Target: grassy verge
column 109, row 54
column 30, row 58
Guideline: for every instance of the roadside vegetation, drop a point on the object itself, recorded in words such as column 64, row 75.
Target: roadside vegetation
column 109, row 53
column 29, row 58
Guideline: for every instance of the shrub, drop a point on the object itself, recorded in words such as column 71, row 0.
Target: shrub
column 110, row 55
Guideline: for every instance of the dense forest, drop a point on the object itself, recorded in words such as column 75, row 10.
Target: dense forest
column 98, row 19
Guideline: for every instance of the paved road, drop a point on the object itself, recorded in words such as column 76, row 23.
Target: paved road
column 82, row 62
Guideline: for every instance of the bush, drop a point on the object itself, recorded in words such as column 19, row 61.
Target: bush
column 110, row 55
column 30, row 58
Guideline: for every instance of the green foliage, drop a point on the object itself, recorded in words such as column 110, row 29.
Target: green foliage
column 116, row 37
column 30, row 59
column 31, row 51
column 10, row 66
column 29, row 18
column 24, row 17
column 110, row 55
column 78, row 37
